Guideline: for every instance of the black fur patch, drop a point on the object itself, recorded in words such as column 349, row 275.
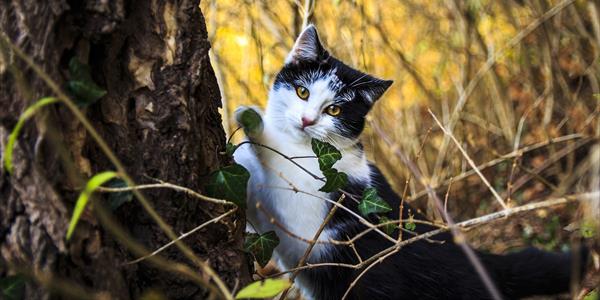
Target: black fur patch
column 425, row 270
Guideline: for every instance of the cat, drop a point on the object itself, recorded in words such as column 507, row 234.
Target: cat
column 317, row 96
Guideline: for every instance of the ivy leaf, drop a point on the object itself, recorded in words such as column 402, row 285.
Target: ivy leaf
column 372, row 203
column 84, row 197
column 250, row 120
column 79, row 70
column 334, row 180
column 387, row 228
column 263, row 289
column 12, row 287
column 326, row 154
column 410, row 226
column 115, row 200
column 229, row 149
column 261, row 246
column 229, row 183
column 83, row 88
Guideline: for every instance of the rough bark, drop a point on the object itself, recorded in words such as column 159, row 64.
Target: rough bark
column 160, row 116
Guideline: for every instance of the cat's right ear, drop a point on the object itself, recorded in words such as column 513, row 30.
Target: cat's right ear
column 308, row 47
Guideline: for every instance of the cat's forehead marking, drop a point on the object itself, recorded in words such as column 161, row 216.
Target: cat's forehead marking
column 318, row 76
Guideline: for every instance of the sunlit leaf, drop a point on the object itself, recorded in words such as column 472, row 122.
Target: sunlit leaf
column 372, row 203
column 261, row 246
column 326, row 154
column 81, row 85
column 84, row 197
column 13, row 287
column 263, row 289
column 12, row 138
column 334, row 181
column 229, row 183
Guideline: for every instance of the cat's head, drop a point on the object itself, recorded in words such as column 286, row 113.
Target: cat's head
column 317, row 96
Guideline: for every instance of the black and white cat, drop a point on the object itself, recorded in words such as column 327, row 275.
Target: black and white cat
column 317, row 96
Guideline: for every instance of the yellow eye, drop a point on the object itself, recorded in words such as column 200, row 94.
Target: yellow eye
column 333, row 110
column 302, row 92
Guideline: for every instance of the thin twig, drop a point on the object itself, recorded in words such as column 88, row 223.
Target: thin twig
column 464, row 225
column 490, row 62
column 458, row 236
column 501, row 159
column 312, row 244
column 165, row 185
column 213, row 220
column 469, row 160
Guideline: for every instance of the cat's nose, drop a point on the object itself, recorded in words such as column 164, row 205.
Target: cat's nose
column 307, row 122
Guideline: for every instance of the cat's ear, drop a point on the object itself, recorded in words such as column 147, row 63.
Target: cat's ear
column 308, row 47
column 375, row 89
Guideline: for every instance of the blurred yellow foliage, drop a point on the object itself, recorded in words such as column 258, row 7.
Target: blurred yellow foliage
column 540, row 87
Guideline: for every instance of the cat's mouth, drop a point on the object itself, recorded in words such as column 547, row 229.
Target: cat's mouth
column 303, row 132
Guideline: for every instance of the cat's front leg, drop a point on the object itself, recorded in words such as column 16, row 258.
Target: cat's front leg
column 250, row 119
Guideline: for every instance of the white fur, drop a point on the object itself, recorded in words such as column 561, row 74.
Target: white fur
column 273, row 177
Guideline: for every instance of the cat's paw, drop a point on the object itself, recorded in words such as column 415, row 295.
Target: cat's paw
column 249, row 118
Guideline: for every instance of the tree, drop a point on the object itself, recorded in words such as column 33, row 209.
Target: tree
column 160, row 117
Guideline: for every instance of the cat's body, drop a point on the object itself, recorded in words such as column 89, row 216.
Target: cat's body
column 330, row 103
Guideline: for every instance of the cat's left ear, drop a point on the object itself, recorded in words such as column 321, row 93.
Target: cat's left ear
column 308, row 47
column 375, row 89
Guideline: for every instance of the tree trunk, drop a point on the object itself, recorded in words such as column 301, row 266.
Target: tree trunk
column 160, row 116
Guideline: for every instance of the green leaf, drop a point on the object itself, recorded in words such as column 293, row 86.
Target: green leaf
column 84, row 197
column 250, row 120
column 263, row 289
column 334, row 180
column 230, row 149
column 387, row 228
column 79, row 70
column 13, row 287
column 326, row 154
column 261, row 246
column 85, row 92
column 410, row 226
column 372, row 203
column 115, row 200
column 12, row 138
column 229, row 183
column 83, row 88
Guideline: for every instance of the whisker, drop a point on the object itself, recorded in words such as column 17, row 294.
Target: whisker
column 357, row 80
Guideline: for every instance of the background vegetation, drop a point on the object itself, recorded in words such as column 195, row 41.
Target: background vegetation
column 495, row 106
column 516, row 82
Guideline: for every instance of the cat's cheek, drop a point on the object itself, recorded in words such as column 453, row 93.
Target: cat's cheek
column 294, row 113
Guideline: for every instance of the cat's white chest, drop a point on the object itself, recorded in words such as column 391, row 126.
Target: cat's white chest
column 288, row 196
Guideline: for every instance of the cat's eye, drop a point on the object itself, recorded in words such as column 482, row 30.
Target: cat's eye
column 302, row 92
column 333, row 110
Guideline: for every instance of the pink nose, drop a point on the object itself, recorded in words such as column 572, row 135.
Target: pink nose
column 307, row 122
